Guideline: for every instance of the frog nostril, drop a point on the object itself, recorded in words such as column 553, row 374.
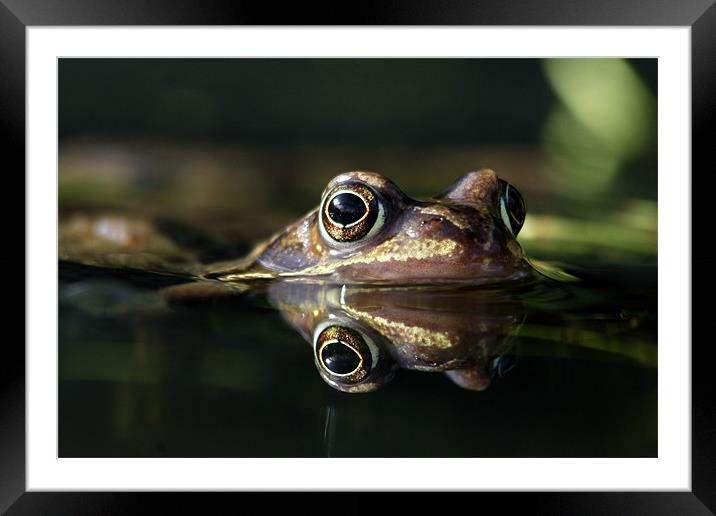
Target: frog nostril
column 432, row 220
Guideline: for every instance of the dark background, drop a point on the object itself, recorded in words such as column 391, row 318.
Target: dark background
column 330, row 101
column 218, row 142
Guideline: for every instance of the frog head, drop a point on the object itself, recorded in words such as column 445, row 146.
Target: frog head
column 365, row 229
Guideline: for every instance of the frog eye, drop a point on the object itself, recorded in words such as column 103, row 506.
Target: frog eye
column 344, row 353
column 512, row 207
column 500, row 366
column 350, row 213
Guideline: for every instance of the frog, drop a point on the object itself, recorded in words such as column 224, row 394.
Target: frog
column 364, row 230
column 361, row 335
column 367, row 230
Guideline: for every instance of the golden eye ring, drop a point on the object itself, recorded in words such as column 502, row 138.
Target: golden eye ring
column 350, row 213
column 343, row 353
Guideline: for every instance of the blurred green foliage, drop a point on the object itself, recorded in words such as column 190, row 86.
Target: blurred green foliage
column 606, row 118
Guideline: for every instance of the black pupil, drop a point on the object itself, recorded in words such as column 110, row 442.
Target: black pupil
column 346, row 208
column 339, row 358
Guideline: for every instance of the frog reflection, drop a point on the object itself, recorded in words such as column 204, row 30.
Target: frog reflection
column 361, row 335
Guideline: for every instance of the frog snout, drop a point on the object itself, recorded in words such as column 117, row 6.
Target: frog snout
column 432, row 221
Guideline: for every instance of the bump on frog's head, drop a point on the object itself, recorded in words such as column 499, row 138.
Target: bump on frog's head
column 484, row 188
column 478, row 187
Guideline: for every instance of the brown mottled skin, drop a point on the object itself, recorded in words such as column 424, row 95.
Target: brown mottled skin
column 457, row 236
column 457, row 332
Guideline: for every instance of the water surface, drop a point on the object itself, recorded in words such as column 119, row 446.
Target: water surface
column 231, row 378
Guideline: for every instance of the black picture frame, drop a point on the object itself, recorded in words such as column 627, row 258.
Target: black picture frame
column 17, row 15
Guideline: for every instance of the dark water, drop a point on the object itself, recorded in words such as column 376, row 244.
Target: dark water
column 577, row 377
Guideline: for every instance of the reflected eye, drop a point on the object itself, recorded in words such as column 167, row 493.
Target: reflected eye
column 501, row 365
column 512, row 207
column 344, row 353
column 350, row 213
